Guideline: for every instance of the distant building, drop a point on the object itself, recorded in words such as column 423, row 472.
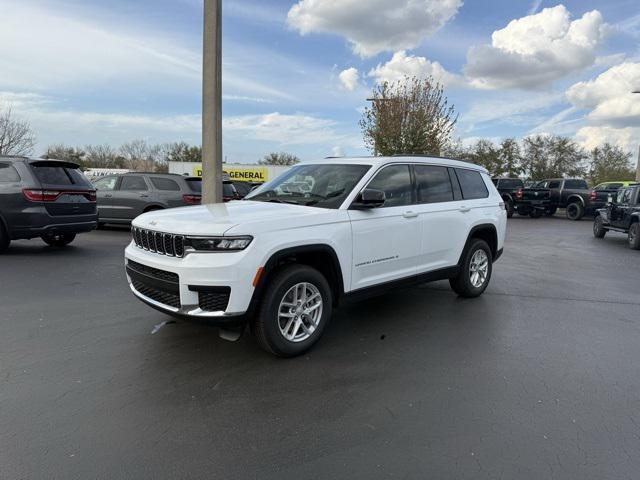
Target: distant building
column 235, row 172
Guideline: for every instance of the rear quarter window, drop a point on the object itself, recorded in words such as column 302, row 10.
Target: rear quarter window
column 195, row 184
column 165, row 184
column 575, row 184
column 472, row 184
column 8, row 174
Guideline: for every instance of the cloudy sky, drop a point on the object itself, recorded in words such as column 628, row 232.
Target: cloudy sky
column 297, row 73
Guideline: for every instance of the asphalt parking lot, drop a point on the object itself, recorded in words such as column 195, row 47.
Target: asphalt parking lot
column 536, row 379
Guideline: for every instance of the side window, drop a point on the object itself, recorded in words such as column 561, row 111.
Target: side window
column 8, row 174
column 131, row 182
column 472, row 184
column 555, row 184
column 395, row 182
column 433, row 184
column 575, row 184
column 165, row 184
column 107, row 183
column 626, row 196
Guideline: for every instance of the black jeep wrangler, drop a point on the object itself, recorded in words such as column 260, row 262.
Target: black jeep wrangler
column 621, row 215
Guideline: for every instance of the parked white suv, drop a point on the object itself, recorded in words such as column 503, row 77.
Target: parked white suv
column 284, row 257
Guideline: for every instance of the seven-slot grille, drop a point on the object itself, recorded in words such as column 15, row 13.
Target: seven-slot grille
column 158, row 242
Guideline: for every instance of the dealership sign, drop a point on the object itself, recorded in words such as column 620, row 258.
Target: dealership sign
column 239, row 174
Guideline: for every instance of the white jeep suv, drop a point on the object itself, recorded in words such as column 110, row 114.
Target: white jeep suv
column 325, row 231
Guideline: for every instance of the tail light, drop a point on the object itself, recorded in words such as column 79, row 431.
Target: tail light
column 519, row 194
column 192, row 199
column 38, row 195
column 593, row 196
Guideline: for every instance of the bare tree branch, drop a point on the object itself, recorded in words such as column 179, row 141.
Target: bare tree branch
column 16, row 137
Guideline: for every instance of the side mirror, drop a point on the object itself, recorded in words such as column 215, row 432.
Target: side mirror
column 369, row 198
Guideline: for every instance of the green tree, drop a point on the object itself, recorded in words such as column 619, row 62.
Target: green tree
column 485, row 153
column 279, row 158
column 551, row 157
column 183, row 152
column 64, row 152
column 410, row 116
column 509, row 159
column 609, row 163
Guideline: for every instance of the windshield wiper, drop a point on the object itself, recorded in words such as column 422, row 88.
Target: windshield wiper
column 277, row 200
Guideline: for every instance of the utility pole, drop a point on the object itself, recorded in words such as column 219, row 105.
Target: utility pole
column 212, row 103
column 638, row 164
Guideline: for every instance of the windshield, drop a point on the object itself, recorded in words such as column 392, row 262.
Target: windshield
column 324, row 186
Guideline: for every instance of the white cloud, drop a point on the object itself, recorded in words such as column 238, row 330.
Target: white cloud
column 533, row 51
column 349, row 78
column 283, row 129
column 593, row 136
column 609, row 96
column 402, row 65
column 337, row 151
column 374, row 26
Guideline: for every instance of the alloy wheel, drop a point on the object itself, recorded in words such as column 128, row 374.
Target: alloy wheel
column 300, row 312
column 479, row 268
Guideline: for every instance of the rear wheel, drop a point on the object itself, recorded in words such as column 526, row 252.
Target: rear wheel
column 4, row 239
column 475, row 271
column 294, row 311
column 509, row 207
column 58, row 239
column 598, row 227
column 634, row 236
column 550, row 211
column 575, row 211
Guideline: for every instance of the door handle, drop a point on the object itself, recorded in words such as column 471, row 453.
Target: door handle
column 143, row 195
column 465, row 209
column 410, row 214
column 108, row 195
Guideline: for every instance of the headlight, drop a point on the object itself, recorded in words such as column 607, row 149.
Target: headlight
column 217, row 244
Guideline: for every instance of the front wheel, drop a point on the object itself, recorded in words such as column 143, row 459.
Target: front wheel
column 475, row 272
column 575, row 211
column 598, row 227
column 294, row 311
column 58, row 239
column 634, row 236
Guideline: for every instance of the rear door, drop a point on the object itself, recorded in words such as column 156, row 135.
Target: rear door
column 167, row 191
column 386, row 243
column 131, row 197
column 442, row 223
column 67, row 190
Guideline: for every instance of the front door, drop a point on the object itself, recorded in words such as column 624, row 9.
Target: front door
column 131, row 197
column 386, row 242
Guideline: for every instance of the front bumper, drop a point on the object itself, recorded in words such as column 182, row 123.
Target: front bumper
column 181, row 286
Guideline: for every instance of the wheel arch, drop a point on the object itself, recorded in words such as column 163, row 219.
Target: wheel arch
column 153, row 207
column 485, row 231
column 573, row 198
column 320, row 256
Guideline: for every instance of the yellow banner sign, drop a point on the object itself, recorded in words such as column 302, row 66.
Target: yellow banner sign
column 240, row 174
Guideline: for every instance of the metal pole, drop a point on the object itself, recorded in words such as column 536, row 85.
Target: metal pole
column 638, row 164
column 212, row 103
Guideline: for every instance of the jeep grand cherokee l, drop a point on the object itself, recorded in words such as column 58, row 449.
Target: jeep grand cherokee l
column 49, row 199
column 284, row 258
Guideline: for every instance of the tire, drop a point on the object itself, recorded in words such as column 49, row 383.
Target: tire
column 551, row 211
column 269, row 327
column 59, row 239
column 598, row 227
column 575, row 211
column 634, row 236
column 5, row 240
column 524, row 212
column 535, row 213
column 464, row 283
column 509, row 207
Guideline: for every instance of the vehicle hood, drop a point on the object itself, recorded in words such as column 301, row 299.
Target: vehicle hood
column 219, row 218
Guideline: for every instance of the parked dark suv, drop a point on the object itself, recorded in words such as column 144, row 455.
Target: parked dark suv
column 121, row 198
column 44, row 198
